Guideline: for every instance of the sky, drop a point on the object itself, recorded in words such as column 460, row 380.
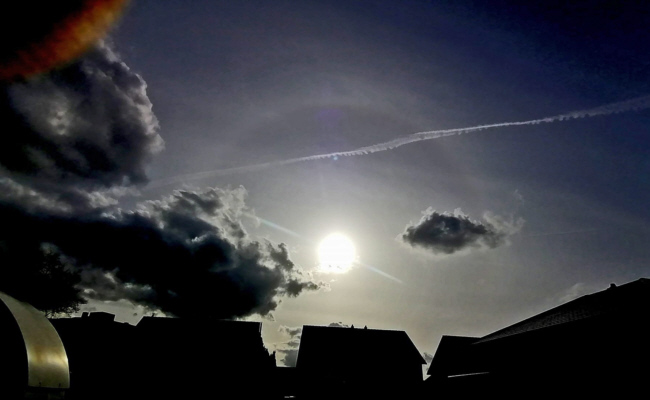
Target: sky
column 173, row 163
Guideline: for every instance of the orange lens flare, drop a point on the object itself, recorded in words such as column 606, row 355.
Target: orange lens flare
column 69, row 38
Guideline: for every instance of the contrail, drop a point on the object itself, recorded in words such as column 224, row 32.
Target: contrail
column 560, row 233
column 639, row 103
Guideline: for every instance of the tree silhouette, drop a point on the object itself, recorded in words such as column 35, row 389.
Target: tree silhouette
column 46, row 281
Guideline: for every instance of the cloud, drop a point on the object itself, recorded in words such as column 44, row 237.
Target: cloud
column 338, row 325
column 425, row 367
column 519, row 198
column 78, row 138
column 187, row 254
column 289, row 350
column 90, row 124
column 60, row 199
column 291, row 331
column 578, row 290
column 103, row 286
column 448, row 233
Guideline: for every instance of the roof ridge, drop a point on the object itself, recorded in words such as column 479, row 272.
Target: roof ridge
column 350, row 328
column 582, row 302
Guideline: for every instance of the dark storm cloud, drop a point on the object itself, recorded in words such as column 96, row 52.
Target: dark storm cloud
column 75, row 140
column 59, row 199
column 296, row 286
column 186, row 254
column 448, row 233
column 102, row 285
column 89, row 124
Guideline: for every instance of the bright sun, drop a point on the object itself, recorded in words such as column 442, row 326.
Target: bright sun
column 336, row 253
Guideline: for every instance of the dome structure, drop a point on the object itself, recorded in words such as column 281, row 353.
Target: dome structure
column 34, row 360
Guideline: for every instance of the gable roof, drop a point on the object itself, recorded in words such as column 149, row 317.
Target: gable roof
column 452, row 356
column 632, row 297
column 323, row 345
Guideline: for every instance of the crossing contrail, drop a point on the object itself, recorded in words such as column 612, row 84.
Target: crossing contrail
column 639, row 103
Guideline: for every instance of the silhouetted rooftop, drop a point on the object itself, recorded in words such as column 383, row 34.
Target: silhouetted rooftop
column 193, row 323
column 589, row 346
column 631, row 297
column 452, row 353
column 319, row 344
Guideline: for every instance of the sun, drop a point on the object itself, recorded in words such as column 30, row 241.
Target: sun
column 336, row 253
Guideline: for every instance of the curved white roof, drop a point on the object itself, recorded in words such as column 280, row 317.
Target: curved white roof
column 47, row 362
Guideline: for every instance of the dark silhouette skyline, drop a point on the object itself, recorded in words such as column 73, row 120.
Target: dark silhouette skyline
column 594, row 345
column 600, row 337
column 479, row 161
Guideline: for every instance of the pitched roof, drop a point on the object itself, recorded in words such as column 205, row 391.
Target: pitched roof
column 320, row 345
column 451, row 356
column 631, row 297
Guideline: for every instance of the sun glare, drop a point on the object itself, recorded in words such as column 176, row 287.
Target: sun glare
column 336, row 253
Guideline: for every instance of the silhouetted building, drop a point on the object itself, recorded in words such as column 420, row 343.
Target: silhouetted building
column 101, row 353
column 33, row 361
column 287, row 382
column 205, row 356
column 346, row 362
column 594, row 345
column 164, row 357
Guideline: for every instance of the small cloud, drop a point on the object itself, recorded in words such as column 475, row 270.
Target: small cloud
column 427, row 358
column 448, row 233
column 291, row 331
column 338, row 325
column 571, row 293
column 578, row 290
column 518, row 197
